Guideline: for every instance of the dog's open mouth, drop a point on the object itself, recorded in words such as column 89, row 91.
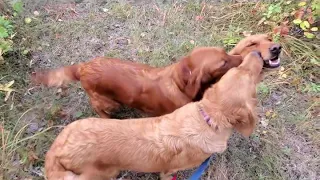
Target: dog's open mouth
column 272, row 63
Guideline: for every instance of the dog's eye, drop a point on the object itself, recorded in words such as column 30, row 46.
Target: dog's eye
column 253, row 44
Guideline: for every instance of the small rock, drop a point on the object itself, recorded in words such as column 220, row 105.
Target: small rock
column 34, row 127
column 264, row 122
column 123, row 41
column 143, row 34
column 36, row 13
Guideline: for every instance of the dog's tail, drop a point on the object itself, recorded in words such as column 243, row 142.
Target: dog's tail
column 55, row 171
column 57, row 77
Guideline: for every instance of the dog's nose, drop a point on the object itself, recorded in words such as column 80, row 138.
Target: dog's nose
column 275, row 49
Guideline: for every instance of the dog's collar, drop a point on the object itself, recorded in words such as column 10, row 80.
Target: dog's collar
column 205, row 115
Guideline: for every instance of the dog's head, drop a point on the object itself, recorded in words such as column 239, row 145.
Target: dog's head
column 203, row 65
column 270, row 51
column 235, row 94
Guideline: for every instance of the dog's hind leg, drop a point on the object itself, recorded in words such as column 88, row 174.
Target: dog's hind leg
column 102, row 104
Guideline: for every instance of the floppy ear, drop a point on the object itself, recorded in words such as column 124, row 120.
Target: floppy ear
column 190, row 77
column 240, row 47
column 247, row 123
column 194, row 83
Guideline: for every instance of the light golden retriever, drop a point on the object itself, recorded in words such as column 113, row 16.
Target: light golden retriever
column 98, row 149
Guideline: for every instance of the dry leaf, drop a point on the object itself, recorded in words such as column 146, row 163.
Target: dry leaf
column 299, row 13
column 33, row 156
column 284, row 76
column 247, row 33
column 268, row 113
column 6, row 88
column 261, row 21
column 282, row 30
column 274, row 115
column 199, row 18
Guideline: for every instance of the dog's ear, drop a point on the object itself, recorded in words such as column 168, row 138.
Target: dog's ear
column 194, row 83
column 192, row 77
column 246, row 122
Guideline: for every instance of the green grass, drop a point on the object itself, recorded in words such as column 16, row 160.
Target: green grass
column 287, row 147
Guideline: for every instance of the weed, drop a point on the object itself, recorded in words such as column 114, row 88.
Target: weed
column 122, row 11
column 7, row 30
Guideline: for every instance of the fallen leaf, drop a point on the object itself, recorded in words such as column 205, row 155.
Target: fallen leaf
column 33, row 156
column 314, row 29
column 25, row 52
column 282, row 30
column 299, row 13
column 6, row 88
column 268, row 113
column 306, row 24
column 143, row 34
column 297, row 21
column 27, row 20
column 36, row 13
column 58, row 36
column 284, row 76
column 199, row 18
column 302, row 3
column 310, row 19
column 261, row 21
column 309, row 35
column 247, row 33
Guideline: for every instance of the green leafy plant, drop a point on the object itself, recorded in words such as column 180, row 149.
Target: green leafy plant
column 312, row 87
column 285, row 15
column 305, row 16
column 7, row 29
column 273, row 9
column 17, row 6
column 6, row 33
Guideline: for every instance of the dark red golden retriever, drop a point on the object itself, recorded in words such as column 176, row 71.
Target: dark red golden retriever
column 112, row 82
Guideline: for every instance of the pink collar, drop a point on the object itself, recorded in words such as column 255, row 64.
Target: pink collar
column 205, row 116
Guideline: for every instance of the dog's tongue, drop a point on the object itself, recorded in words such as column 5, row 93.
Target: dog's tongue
column 274, row 62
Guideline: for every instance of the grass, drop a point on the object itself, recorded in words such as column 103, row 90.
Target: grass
column 284, row 146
